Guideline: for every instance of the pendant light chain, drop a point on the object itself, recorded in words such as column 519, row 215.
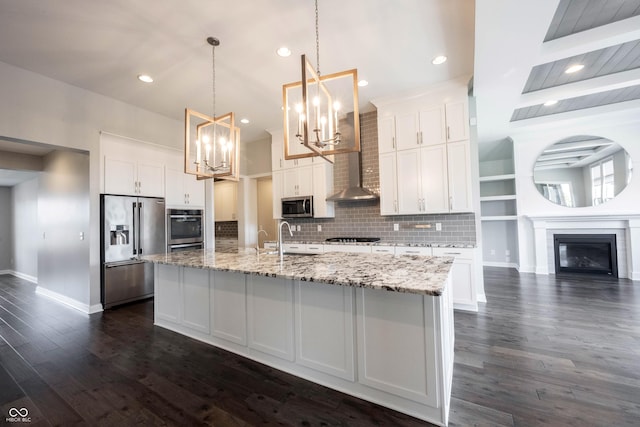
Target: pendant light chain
column 317, row 42
column 213, row 74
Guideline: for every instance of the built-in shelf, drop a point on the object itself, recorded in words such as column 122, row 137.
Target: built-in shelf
column 497, row 177
column 500, row 218
column 497, row 198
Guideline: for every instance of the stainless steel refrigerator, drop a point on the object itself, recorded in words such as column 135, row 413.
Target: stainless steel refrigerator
column 131, row 227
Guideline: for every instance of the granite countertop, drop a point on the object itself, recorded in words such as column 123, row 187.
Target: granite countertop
column 425, row 275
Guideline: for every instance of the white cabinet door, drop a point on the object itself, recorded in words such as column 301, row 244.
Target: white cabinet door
column 290, row 183
column 432, row 126
column 412, row 250
column 457, row 121
column 407, row 131
column 278, row 193
column 168, row 293
column 150, row 179
column 305, row 180
column 120, row 176
column 174, row 189
column 459, row 160
column 277, row 151
column 195, row 301
column 462, row 277
column 395, row 342
column 194, row 190
column 388, row 184
column 434, row 182
column 386, row 135
column 383, row 250
column 409, row 192
column 225, row 200
column 325, row 328
column 363, row 249
column 229, row 317
column 270, row 316
column 323, row 188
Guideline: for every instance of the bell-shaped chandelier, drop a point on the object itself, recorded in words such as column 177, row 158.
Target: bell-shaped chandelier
column 211, row 143
column 321, row 111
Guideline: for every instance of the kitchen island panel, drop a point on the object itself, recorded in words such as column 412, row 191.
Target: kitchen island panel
column 325, row 328
column 395, row 332
column 229, row 306
column 168, row 293
column 270, row 316
column 195, row 301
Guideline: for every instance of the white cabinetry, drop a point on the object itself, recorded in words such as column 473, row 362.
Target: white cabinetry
column 229, row 307
column 424, row 156
column 183, row 190
column 397, row 360
column 366, row 249
column 226, row 200
column 270, row 316
column 303, row 248
column 298, row 181
column 413, row 250
column 325, row 327
column 462, row 277
column 301, row 177
column 124, row 175
column 381, row 249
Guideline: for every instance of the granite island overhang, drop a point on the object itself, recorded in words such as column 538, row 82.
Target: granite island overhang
column 376, row 326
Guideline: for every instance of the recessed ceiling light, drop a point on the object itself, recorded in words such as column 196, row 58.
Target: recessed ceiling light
column 363, row 83
column 245, row 121
column 440, row 59
column 283, row 51
column 145, row 78
column 550, row 102
column 574, row 68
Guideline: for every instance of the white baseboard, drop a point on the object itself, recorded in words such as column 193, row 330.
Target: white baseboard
column 5, row 272
column 501, row 264
column 63, row 299
column 26, row 277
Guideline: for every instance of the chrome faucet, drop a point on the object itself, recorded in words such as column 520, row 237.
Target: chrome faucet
column 258, row 242
column 280, row 246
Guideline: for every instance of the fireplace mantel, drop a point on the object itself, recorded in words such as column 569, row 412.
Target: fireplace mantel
column 628, row 226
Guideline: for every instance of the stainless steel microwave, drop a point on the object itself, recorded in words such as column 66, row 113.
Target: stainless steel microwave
column 297, row 207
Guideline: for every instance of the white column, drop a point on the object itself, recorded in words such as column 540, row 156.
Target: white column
column 209, row 215
column 633, row 249
column 247, row 212
column 542, row 257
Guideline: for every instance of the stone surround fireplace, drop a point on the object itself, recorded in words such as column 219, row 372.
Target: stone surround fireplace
column 625, row 228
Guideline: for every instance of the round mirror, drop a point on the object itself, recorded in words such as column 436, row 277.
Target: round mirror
column 582, row 171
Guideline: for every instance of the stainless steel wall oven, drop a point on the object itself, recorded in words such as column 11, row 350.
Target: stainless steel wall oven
column 184, row 227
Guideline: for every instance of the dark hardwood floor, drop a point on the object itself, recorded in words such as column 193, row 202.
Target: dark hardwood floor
column 542, row 352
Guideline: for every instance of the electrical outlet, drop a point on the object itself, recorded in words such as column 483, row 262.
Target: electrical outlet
column 298, row 228
column 507, row 252
column 438, row 226
column 219, row 227
column 396, row 227
column 319, row 228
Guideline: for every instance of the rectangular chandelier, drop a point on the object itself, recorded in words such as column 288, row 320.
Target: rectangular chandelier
column 211, row 146
column 321, row 114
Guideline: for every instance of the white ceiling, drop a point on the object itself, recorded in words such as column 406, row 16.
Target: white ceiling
column 102, row 46
column 516, row 70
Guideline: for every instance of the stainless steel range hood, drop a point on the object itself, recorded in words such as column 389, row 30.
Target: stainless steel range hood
column 354, row 191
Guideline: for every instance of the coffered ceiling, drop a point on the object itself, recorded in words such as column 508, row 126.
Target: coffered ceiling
column 523, row 50
column 102, row 46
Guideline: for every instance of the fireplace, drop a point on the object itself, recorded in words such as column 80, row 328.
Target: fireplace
column 586, row 254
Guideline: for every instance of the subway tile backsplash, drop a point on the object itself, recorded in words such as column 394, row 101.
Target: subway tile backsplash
column 363, row 219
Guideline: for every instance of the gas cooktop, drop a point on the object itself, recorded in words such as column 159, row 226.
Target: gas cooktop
column 354, row 239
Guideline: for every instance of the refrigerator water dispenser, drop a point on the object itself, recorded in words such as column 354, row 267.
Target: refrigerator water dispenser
column 119, row 235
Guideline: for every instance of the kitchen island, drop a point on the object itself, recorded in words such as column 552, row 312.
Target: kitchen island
column 375, row 326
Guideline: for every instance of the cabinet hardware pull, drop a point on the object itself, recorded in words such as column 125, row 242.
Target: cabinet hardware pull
column 393, row 142
column 448, row 133
column 421, row 140
column 453, row 253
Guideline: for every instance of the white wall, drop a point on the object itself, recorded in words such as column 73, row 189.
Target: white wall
column 36, row 108
column 529, row 143
column 25, row 230
column 5, row 229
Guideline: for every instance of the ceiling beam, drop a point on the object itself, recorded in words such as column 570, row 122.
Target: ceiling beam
column 589, row 40
column 584, row 87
